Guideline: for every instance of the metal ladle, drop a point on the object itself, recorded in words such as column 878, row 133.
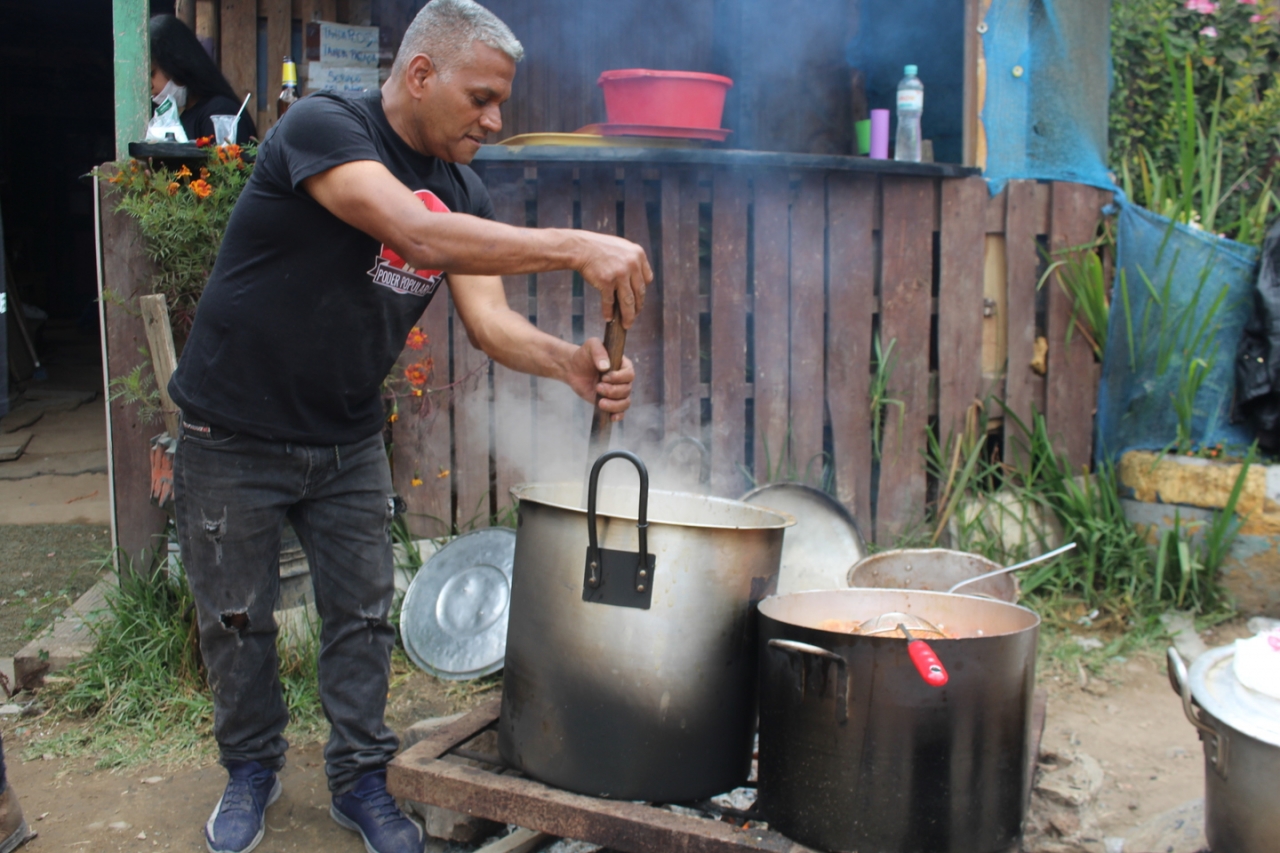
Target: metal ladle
column 1045, row 556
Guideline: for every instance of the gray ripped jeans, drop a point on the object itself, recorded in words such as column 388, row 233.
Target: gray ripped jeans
column 233, row 493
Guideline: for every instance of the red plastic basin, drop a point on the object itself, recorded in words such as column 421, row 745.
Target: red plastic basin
column 664, row 98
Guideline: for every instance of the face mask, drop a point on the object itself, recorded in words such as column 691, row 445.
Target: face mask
column 171, row 90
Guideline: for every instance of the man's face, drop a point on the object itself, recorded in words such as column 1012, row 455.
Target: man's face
column 459, row 107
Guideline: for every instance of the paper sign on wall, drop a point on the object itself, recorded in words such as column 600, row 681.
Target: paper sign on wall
column 347, row 46
column 351, row 80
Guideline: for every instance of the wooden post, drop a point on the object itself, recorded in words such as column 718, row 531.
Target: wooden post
column 155, row 316
column 132, row 72
column 185, row 11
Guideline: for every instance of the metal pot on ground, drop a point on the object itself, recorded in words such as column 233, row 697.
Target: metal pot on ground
column 1241, row 733
column 858, row 753
column 639, row 695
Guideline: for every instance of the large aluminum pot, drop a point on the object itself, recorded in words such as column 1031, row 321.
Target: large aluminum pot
column 1241, row 733
column 932, row 570
column 858, row 753
column 622, row 700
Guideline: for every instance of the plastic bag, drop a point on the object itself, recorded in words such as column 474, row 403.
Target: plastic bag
column 166, row 124
column 1257, row 663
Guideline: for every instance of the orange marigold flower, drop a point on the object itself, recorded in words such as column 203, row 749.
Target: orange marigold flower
column 201, row 188
column 417, row 338
column 417, row 392
column 184, row 172
column 415, row 374
column 393, row 417
column 174, row 186
column 115, row 179
column 204, row 141
column 444, row 472
column 204, row 173
column 416, row 481
column 229, row 152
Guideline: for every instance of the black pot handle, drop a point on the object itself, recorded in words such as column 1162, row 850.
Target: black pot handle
column 595, row 560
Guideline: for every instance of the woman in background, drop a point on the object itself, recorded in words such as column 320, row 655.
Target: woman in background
column 183, row 70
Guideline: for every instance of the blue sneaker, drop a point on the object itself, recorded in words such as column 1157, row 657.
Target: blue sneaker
column 236, row 825
column 369, row 810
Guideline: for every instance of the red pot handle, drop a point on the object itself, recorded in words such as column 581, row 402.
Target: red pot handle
column 927, row 663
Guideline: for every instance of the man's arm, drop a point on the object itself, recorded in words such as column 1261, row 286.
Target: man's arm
column 512, row 341
column 365, row 195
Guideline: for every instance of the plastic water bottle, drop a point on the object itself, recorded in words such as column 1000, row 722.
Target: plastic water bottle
column 910, row 107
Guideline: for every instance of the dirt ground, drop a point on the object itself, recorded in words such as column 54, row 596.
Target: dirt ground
column 1129, row 720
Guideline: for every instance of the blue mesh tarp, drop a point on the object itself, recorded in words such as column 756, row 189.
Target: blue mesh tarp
column 1048, row 83
column 1179, row 295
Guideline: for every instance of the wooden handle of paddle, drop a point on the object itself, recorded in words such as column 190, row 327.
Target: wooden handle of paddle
column 615, row 340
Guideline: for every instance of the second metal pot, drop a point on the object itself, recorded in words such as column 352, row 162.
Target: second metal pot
column 857, row 753
column 635, row 694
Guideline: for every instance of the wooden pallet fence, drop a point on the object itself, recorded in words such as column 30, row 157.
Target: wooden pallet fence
column 754, row 352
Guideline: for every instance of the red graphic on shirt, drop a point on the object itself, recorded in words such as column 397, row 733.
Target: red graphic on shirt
column 391, row 270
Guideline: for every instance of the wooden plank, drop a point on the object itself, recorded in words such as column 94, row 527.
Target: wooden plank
column 643, row 423
column 995, row 304
column 679, row 303
column 155, row 317
column 850, row 203
column 995, row 211
column 359, row 12
column 730, row 195
column 808, row 308
column 470, row 430
column 520, row 841
column 1024, row 389
column 772, row 337
column 599, row 194
column 421, row 441
column 1070, row 395
column 962, row 245
column 512, row 390
column 907, row 275
column 561, row 434
column 239, row 49
column 126, row 274
column 279, row 15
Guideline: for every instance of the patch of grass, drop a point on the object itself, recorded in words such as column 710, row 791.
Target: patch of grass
column 141, row 696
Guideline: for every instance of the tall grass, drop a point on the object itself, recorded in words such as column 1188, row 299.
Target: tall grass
column 141, row 693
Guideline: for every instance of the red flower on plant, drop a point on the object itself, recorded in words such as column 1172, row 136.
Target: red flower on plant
column 201, row 188
column 204, row 141
column 184, row 172
column 417, row 338
column 416, row 375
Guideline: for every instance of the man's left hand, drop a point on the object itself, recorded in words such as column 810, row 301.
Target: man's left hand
column 589, row 376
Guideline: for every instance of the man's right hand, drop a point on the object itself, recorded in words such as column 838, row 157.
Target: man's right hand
column 618, row 269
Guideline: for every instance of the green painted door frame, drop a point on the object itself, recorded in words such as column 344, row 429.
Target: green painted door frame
column 132, row 71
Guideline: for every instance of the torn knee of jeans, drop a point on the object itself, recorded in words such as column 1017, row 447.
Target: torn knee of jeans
column 237, row 621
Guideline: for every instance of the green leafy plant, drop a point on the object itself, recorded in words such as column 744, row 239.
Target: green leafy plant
column 182, row 215
column 138, row 387
column 1227, row 56
column 1079, row 272
column 878, row 394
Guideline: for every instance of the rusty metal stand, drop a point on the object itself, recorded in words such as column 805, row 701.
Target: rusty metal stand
column 432, row 772
column 425, row 773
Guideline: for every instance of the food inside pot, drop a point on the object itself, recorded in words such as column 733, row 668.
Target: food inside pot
column 863, row 627
column 857, row 611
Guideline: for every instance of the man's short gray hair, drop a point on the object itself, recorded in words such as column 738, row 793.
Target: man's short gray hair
column 445, row 30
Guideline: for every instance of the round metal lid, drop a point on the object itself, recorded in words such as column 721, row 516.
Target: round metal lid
column 825, row 542
column 454, row 618
column 1215, row 688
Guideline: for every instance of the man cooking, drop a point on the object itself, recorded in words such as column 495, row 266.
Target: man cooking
column 356, row 211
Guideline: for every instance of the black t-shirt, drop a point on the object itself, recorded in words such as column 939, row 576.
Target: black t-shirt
column 304, row 316
column 196, row 119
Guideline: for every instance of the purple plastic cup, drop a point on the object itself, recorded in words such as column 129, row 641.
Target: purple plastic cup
column 879, row 134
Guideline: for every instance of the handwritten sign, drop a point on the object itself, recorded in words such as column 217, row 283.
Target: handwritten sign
column 346, row 46
column 329, row 78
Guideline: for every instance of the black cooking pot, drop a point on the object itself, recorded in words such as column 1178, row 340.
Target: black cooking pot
column 858, row 753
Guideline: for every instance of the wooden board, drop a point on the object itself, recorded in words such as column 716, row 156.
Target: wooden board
column 907, row 276
column 1024, row 389
column 512, row 390
column 561, row 434
column 679, row 303
column 730, row 195
column 772, row 309
column 808, row 314
column 126, row 273
column 239, row 54
column 851, row 201
column 599, row 192
column 1069, row 401
column 279, row 15
column 470, row 429
column 643, row 424
column 962, row 242
column 422, row 460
